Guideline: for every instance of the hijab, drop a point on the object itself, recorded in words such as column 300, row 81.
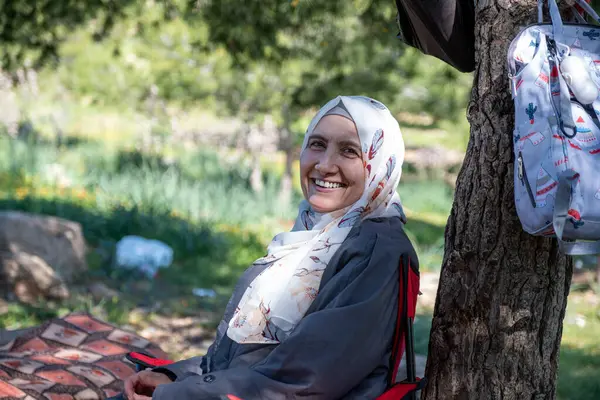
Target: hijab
column 278, row 298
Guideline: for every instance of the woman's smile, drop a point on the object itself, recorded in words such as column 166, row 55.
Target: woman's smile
column 327, row 186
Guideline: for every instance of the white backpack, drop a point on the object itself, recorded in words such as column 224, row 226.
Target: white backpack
column 557, row 135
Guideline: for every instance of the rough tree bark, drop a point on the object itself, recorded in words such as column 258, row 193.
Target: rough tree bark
column 501, row 301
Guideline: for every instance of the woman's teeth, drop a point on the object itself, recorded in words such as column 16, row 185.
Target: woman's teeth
column 328, row 185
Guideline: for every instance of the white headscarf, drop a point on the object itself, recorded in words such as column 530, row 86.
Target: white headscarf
column 279, row 297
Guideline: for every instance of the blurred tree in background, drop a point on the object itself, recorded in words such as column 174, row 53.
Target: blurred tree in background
column 31, row 31
column 293, row 56
column 305, row 52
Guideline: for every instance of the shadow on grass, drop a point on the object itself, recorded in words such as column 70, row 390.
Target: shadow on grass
column 578, row 374
column 421, row 328
column 135, row 159
column 28, row 133
column 203, row 256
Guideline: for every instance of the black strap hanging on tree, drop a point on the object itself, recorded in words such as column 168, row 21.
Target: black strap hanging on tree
column 440, row 28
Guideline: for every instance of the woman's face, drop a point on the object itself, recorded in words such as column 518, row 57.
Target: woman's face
column 331, row 166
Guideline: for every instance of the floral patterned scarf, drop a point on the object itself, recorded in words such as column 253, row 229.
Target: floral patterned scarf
column 279, row 297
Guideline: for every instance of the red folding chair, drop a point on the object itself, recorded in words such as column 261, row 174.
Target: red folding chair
column 403, row 337
column 403, row 341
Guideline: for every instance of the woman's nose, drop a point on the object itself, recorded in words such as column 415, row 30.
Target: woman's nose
column 327, row 164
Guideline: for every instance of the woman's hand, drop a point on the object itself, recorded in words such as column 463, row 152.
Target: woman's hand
column 141, row 385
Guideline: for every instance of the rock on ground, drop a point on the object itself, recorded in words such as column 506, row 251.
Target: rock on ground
column 39, row 256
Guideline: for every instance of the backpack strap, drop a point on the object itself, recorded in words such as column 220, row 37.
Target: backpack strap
column 581, row 6
column 561, row 213
column 584, row 6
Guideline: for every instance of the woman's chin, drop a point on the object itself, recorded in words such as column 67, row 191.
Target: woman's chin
column 323, row 206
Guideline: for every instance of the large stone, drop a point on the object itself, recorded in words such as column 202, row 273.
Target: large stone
column 39, row 255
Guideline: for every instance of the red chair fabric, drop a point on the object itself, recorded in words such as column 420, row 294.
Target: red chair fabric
column 403, row 336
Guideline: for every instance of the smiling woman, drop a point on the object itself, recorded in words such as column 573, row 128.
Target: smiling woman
column 331, row 165
column 315, row 317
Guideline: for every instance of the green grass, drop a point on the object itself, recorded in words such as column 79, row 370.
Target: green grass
column 198, row 186
column 430, row 197
column 19, row 315
column 427, row 205
column 207, row 214
column 421, row 329
column 579, row 372
column 445, row 134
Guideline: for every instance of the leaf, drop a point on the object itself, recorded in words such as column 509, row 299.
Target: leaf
column 378, row 189
column 376, row 144
column 372, row 180
column 398, row 207
column 390, row 165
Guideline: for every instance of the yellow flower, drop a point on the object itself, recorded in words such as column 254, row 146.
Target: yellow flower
column 21, row 192
column 43, row 192
column 81, row 194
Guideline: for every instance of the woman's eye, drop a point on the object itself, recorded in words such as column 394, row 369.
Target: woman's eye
column 317, row 145
column 350, row 152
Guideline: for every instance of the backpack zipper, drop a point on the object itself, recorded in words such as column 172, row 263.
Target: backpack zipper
column 523, row 178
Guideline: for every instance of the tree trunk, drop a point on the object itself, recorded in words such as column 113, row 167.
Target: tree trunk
column 286, row 141
column 252, row 144
column 256, row 181
column 498, row 316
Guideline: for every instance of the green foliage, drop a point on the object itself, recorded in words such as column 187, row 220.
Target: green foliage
column 145, row 50
column 201, row 205
column 266, row 31
column 432, row 86
column 306, row 52
column 426, row 196
column 21, row 316
column 30, row 31
column 422, row 326
column 199, row 186
column 278, row 58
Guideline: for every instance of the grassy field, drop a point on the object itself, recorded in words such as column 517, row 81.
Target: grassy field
column 579, row 375
column 199, row 202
